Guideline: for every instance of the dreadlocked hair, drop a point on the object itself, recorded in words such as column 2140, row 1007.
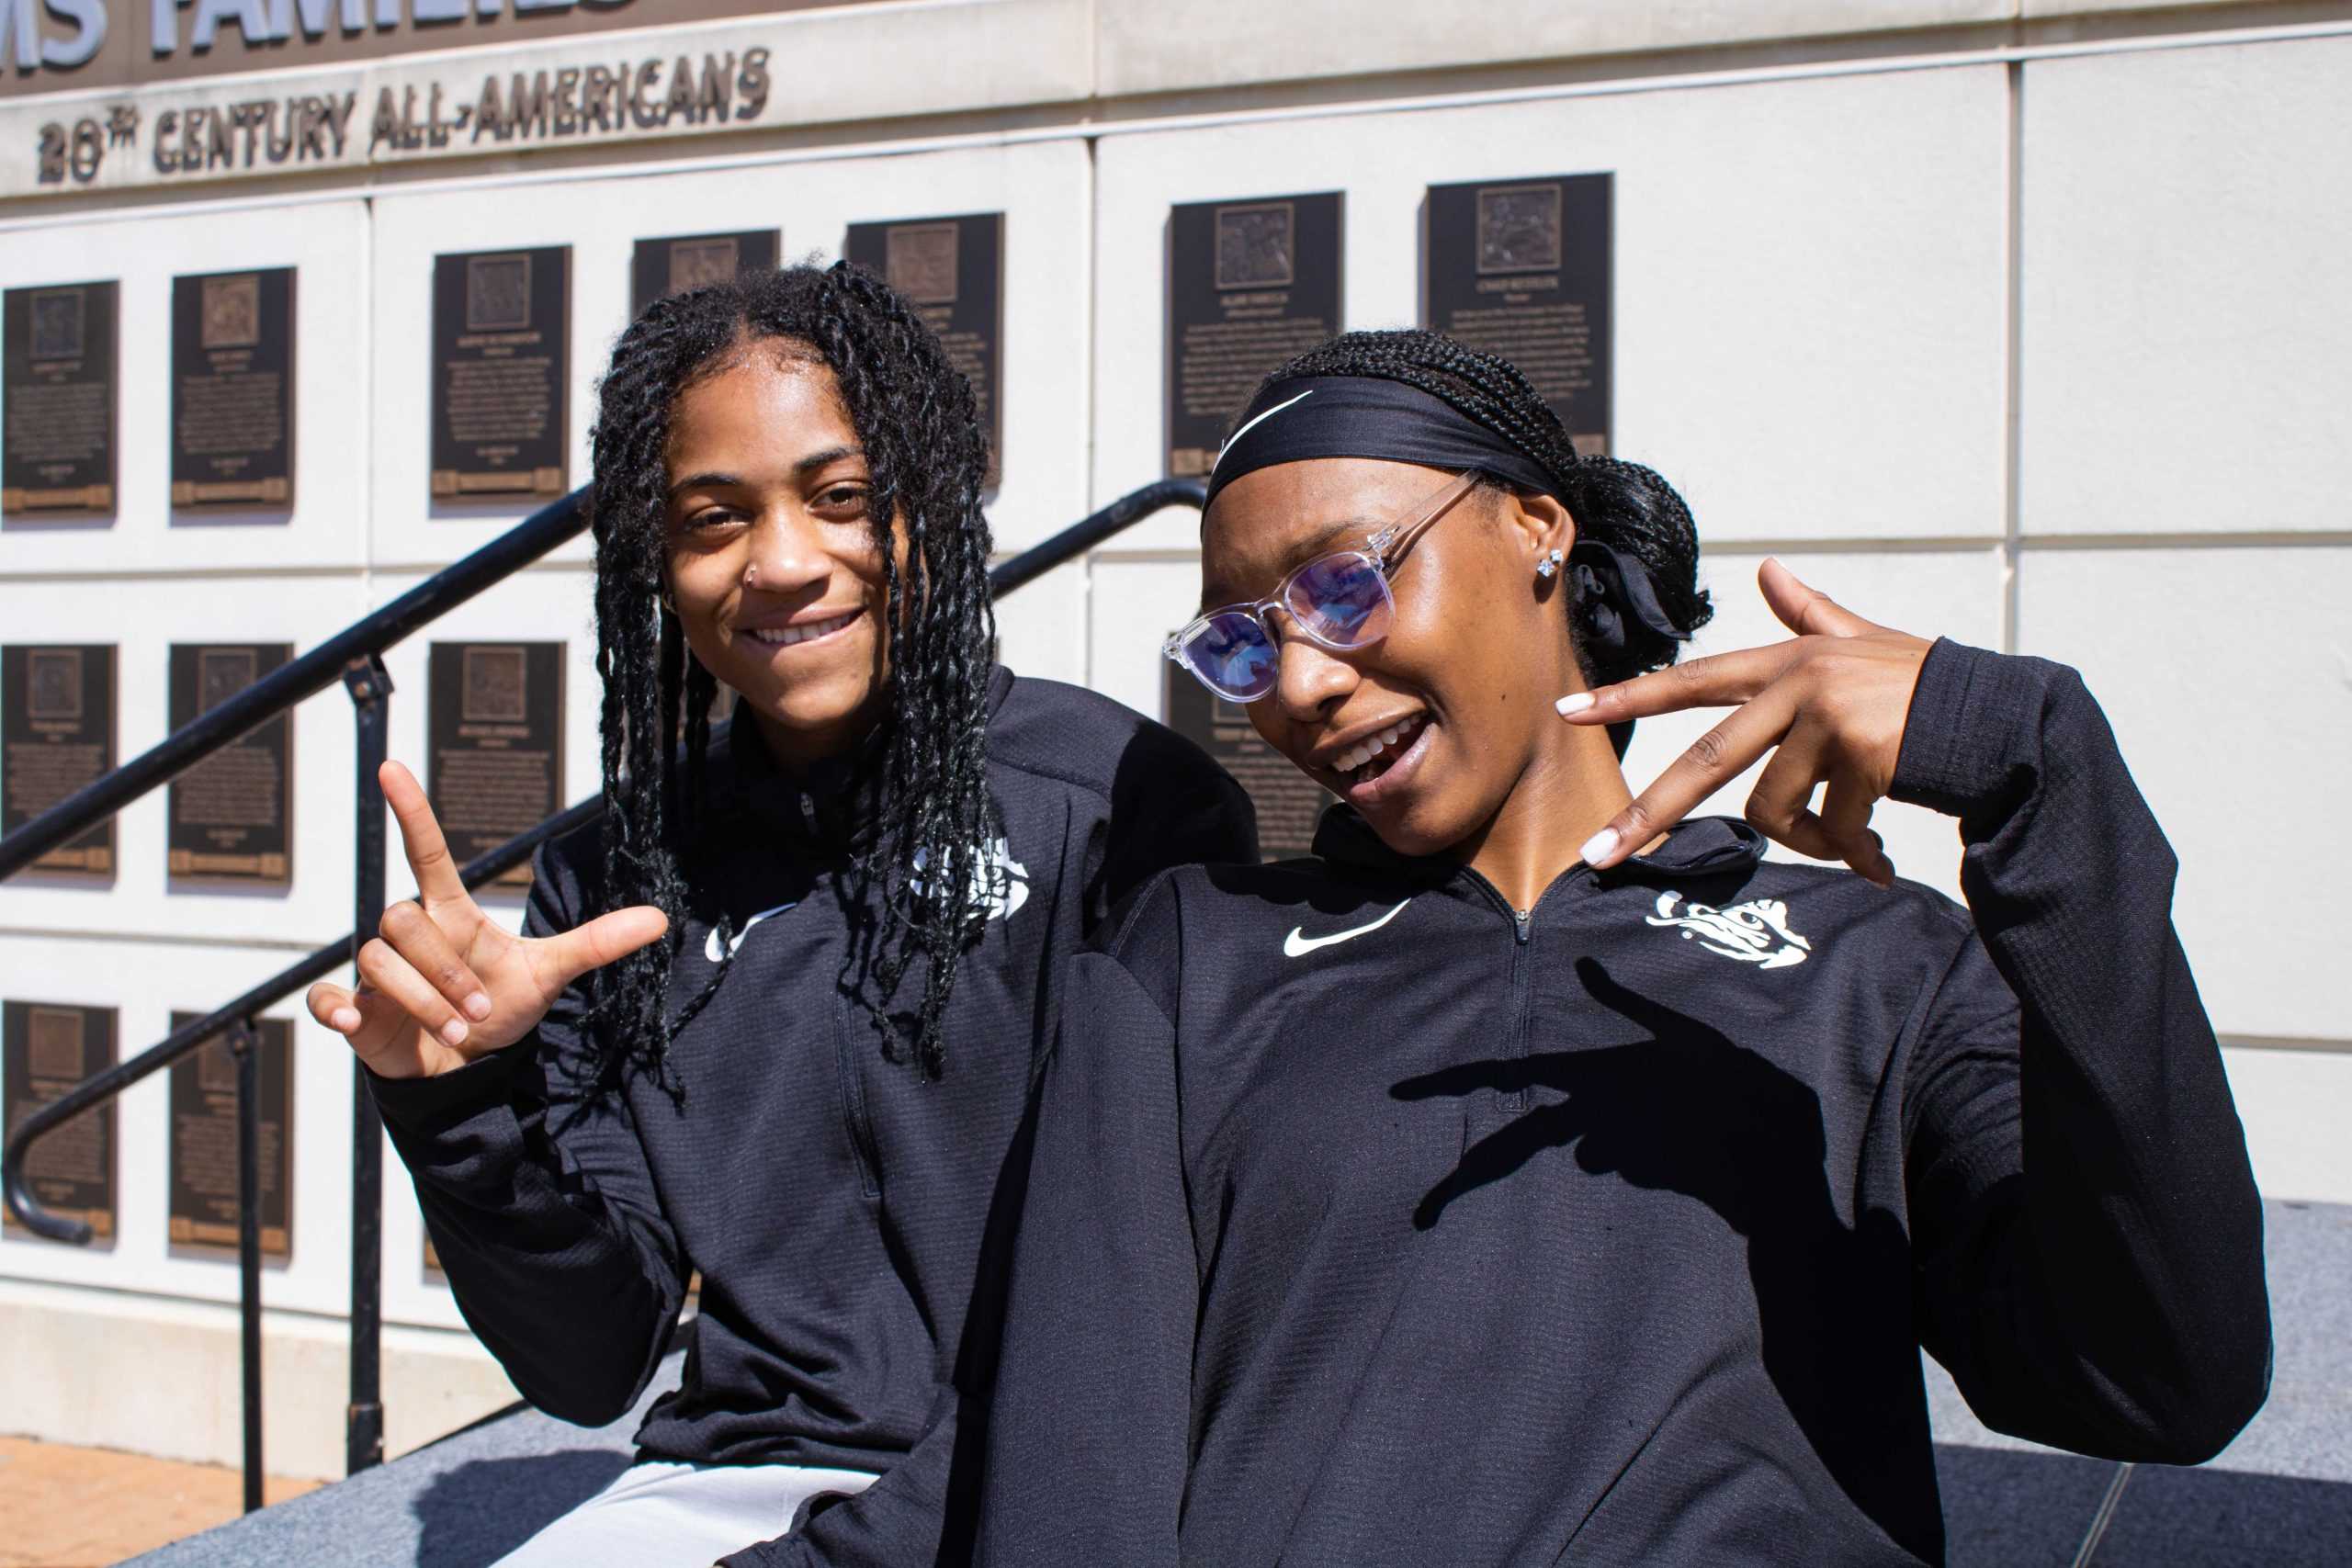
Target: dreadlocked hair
column 1623, row 505
column 924, row 770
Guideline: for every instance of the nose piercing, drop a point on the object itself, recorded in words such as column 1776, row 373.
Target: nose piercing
column 751, row 575
column 1549, row 564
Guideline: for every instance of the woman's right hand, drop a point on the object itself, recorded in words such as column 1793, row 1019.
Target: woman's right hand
column 441, row 983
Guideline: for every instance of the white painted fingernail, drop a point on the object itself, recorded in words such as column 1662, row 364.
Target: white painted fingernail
column 478, row 1007
column 1597, row 846
column 454, row 1031
column 1575, row 702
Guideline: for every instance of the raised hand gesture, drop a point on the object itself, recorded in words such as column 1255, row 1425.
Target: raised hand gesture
column 442, row 983
column 1832, row 700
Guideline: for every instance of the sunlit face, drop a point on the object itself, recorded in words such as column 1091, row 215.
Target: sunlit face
column 1459, row 693
column 774, row 570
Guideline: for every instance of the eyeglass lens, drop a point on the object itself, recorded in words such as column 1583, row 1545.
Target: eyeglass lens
column 1232, row 655
column 1342, row 600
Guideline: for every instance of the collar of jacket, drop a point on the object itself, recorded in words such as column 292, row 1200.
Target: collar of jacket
column 1701, row 846
column 830, row 805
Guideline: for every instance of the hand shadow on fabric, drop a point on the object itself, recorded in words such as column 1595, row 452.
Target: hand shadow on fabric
column 1684, row 1110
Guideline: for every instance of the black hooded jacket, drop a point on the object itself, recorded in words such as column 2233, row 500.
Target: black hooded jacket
column 1371, row 1221
column 833, row 1202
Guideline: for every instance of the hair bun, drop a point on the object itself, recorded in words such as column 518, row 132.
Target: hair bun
column 1632, row 509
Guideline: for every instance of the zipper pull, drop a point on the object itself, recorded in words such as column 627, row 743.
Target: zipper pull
column 1522, row 918
column 809, row 814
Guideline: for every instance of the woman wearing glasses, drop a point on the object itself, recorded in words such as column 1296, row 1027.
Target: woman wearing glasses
column 1535, row 1175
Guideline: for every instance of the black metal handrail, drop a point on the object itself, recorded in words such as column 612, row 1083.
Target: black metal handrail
column 290, row 683
column 354, row 657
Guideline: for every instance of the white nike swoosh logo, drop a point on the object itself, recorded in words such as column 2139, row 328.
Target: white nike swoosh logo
column 1259, row 420
column 712, row 950
column 1298, row 944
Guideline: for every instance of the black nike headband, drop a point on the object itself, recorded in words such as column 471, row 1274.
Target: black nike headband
column 1368, row 417
column 1374, row 418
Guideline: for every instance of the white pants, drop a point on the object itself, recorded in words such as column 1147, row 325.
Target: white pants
column 660, row 1512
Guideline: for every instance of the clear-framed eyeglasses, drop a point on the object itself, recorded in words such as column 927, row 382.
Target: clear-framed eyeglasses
column 1342, row 601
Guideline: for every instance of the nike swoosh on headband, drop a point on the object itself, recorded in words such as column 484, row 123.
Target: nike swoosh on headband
column 710, row 948
column 1253, row 424
column 1298, row 944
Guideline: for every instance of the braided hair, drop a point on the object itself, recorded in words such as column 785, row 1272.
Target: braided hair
column 1623, row 505
column 924, row 772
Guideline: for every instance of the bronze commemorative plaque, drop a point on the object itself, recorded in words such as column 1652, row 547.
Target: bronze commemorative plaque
column 1250, row 285
column 57, row 385
column 1521, row 268
column 233, row 389
column 203, row 1159
column 57, row 734
column 494, row 754
column 46, row 1048
column 231, row 815
column 501, row 374
column 1288, row 802
column 952, row 271
column 666, row 266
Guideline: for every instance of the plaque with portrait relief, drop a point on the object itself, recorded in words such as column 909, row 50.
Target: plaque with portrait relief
column 494, row 755
column 1250, row 284
column 233, row 389
column 501, row 369
column 672, row 265
column 700, row 264
column 57, row 400
column 231, row 817
column 1257, row 245
column 1521, row 268
column 203, row 1151
column 951, row 270
column 46, row 1048
column 57, row 734
column 229, row 310
column 918, row 261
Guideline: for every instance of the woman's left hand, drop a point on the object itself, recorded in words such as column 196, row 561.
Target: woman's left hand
column 1832, row 700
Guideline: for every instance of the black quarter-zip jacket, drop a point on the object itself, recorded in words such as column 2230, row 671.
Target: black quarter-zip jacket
column 1370, row 1221
column 834, row 1202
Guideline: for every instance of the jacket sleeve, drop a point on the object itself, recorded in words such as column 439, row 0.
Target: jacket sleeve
column 537, row 1194
column 2084, row 1223
column 1088, row 1436
column 1170, row 805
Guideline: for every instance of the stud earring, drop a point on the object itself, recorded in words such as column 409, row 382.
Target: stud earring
column 1549, row 564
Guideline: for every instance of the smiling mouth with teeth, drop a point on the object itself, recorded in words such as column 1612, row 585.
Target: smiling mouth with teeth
column 1371, row 757
column 785, row 636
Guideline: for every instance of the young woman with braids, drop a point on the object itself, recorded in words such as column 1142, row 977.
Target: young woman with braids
column 1534, row 1176
column 775, row 1019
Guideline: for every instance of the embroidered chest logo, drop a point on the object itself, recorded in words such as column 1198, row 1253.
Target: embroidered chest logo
column 1754, row 932
column 1298, row 944
column 999, row 883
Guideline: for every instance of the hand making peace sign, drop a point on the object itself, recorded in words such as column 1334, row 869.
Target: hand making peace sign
column 1833, row 700
column 443, row 982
